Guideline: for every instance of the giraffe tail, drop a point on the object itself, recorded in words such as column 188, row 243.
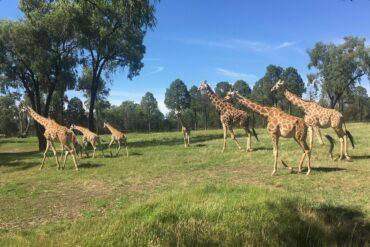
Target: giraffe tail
column 349, row 135
column 350, row 138
column 332, row 142
column 255, row 134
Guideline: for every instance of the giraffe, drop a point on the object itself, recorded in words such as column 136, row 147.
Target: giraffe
column 228, row 116
column 54, row 131
column 185, row 129
column 88, row 137
column 280, row 124
column 317, row 117
column 117, row 136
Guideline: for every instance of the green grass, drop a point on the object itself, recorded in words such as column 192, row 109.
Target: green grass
column 166, row 195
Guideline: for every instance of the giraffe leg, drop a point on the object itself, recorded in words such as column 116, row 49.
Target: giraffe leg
column 232, row 135
column 65, row 159
column 345, row 142
column 110, row 144
column 275, row 144
column 46, row 150
column 94, row 147
column 341, row 140
column 310, row 136
column 184, row 135
column 188, row 137
column 85, row 148
column 119, row 147
column 72, row 152
column 55, row 154
column 249, row 148
column 318, row 135
column 225, row 136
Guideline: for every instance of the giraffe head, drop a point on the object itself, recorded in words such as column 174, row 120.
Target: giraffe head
column 72, row 126
column 204, row 85
column 277, row 85
column 104, row 125
column 23, row 108
column 230, row 95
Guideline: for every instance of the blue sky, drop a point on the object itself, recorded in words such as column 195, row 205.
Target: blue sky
column 223, row 40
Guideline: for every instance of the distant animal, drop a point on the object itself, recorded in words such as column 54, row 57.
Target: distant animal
column 88, row 137
column 317, row 117
column 280, row 124
column 117, row 137
column 228, row 116
column 185, row 128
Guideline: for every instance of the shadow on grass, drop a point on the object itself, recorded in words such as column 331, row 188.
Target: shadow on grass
column 327, row 169
column 18, row 161
column 360, row 157
column 322, row 226
column 89, row 165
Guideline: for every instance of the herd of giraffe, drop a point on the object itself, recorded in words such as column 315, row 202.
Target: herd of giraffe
column 279, row 124
column 68, row 140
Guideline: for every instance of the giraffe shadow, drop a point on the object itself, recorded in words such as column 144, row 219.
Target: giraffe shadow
column 89, row 165
column 318, row 169
column 262, row 148
column 360, row 157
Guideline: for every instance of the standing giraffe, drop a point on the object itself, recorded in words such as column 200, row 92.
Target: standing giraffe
column 280, row 124
column 54, row 131
column 117, row 136
column 185, row 129
column 317, row 117
column 88, row 137
column 228, row 116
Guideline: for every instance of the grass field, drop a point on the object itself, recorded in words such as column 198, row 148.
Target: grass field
column 166, row 195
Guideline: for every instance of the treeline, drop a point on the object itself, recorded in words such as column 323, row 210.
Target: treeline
column 77, row 44
column 196, row 107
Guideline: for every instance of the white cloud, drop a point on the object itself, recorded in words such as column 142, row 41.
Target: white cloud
column 240, row 44
column 236, row 75
column 156, row 69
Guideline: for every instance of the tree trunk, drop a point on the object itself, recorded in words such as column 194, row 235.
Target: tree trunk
column 92, row 102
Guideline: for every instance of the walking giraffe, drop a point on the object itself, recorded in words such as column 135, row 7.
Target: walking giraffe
column 280, row 124
column 54, row 131
column 88, row 137
column 185, row 128
column 117, row 136
column 228, row 116
column 317, row 117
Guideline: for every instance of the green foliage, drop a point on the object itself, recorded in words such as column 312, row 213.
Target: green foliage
column 177, row 96
column 222, row 88
column 149, row 106
column 339, row 67
column 8, row 115
column 75, row 113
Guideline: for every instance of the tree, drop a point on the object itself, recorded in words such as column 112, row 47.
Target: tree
column 262, row 88
column 294, row 83
column 195, row 104
column 222, row 88
column 76, row 112
column 242, row 87
column 339, row 67
column 102, row 93
column 149, row 105
column 111, row 37
column 8, row 114
column 38, row 53
column 177, row 96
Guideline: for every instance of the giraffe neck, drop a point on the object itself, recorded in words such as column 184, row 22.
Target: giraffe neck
column 216, row 101
column 295, row 100
column 37, row 117
column 181, row 119
column 111, row 129
column 81, row 129
column 260, row 109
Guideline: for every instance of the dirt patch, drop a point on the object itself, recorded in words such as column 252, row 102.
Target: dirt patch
column 19, row 150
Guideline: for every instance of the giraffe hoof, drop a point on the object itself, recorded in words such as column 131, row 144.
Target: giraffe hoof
column 250, row 150
column 273, row 172
column 308, row 172
column 348, row 158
